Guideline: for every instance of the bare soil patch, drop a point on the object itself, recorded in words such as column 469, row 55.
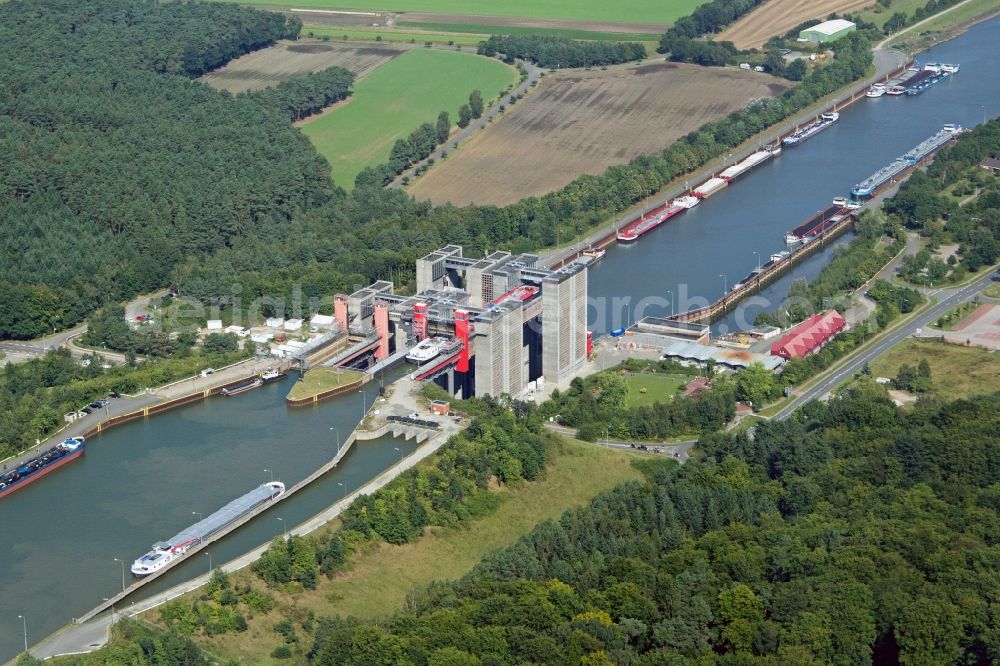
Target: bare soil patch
column 270, row 66
column 340, row 18
column 777, row 17
column 582, row 122
column 525, row 22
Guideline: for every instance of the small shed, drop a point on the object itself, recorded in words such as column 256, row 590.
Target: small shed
column 991, row 164
column 214, row 325
column 321, row 321
column 828, row 31
column 293, row 324
column 275, row 322
column 440, row 407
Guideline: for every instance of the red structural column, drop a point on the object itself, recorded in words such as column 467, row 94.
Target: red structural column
column 462, row 330
column 382, row 329
column 340, row 311
column 420, row 321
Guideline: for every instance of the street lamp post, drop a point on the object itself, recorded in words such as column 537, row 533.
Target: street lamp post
column 758, row 261
column 400, row 452
column 725, row 283
column 271, row 473
column 671, row 302
column 364, row 403
column 337, row 430
column 209, row 556
column 122, row 562
column 24, row 625
column 199, row 514
column 284, row 529
column 345, row 488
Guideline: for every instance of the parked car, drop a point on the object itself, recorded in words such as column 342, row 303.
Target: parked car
column 116, row 394
column 96, row 405
column 745, row 65
column 86, row 410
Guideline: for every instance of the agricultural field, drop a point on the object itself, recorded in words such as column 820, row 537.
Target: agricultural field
column 777, row 17
column 653, row 12
column 581, row 122
column 283, row 61
column 395, row 99
column 401, row 37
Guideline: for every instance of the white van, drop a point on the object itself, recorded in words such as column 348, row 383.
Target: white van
column 207, row 371
column 745, row 65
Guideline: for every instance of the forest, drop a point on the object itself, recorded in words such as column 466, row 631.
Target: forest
column 561, row 52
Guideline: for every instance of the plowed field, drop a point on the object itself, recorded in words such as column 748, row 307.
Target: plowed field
column 582, row 122
column 283, row 61
column 777, row 17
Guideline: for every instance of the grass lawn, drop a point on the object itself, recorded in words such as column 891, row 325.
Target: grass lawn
column 956, row 371
column 993, row 290
column 395, row 99
column 355, row 34
column 659, row 388
column 319, row 380
column 626, row 11
column 382, row 576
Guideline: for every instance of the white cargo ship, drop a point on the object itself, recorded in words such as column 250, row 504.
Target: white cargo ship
column 171, row 550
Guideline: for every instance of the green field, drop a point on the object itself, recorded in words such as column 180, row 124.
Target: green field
column 659, row 388
column 626, row 11
column 483, row 31
column 380, row 576
column 956, row 371
column 355, row 34
column 395, row 99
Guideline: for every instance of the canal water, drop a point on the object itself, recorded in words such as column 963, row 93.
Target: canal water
column 142, row 481
column 693, row 258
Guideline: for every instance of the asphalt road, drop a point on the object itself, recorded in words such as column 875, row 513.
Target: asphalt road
column 947, row 299
column 18, row 351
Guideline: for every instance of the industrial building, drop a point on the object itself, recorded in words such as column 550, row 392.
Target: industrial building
column 809, row 336
column 489, row 326
column 828, row 31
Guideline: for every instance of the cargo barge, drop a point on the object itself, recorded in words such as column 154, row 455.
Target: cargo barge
column 709, row 187
column 243, row 387
column 175, row 548
column 817, row 224
column 754, row 159
column 42, row 464
column 920, row 79
column 886, row 174
column 633, row 230
column 812, row 129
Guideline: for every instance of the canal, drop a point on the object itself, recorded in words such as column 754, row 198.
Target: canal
column 145, row 480
column 693, row 258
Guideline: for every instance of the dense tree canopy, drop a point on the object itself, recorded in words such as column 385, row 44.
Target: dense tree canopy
column 561, row 52
column 121, row 165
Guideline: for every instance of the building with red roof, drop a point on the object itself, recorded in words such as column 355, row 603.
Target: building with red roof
column 809, row 336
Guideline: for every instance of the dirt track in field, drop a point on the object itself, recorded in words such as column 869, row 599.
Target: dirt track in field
column 777, row 17
column 526, row 22
column 582, row 122
column 270, row 66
